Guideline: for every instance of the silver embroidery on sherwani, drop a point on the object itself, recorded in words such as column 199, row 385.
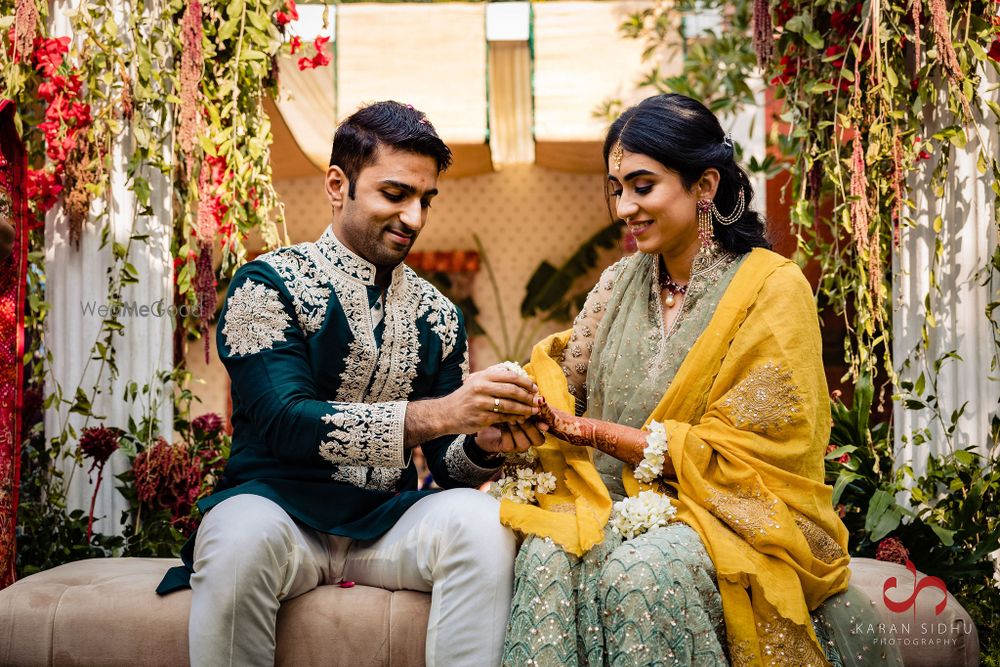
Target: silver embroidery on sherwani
column 460, row 466
column 352, row 292
column 309, row 287
column 255, row 319
column 357, row 426
column 375, row 377
column 385, row 479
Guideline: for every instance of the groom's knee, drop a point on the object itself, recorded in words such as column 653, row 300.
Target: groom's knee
column 473, row 519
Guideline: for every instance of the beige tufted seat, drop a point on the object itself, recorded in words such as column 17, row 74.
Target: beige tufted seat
column 104, row 612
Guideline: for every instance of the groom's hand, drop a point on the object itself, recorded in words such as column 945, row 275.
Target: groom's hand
column 490, row 397
column 511, row 437
column 486, row 398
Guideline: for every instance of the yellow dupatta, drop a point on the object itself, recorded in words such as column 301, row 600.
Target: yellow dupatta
column 747, row 418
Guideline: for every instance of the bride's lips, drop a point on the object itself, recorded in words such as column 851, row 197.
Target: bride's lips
column 638, row 227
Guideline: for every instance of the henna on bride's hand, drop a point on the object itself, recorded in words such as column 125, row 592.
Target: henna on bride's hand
column 622, row 442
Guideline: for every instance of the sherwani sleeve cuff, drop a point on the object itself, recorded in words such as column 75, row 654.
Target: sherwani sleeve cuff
column 366, row 434
column 468, row 464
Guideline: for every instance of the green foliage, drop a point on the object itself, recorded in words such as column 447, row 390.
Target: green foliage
column 48, row 535
column 717, row 63
column 948, row 518
column 950, row 521
column 859, row 466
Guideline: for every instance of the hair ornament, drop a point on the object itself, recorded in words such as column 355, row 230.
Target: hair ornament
column 737, row 212
column 618, row 151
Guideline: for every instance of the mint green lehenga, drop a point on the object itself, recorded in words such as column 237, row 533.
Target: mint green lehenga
column 651, row 600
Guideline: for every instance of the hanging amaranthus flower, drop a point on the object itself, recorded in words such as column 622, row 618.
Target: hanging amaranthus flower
column 211, row 211
column 941, row 28
column 204, row 288
column 916, row 11
column 126, row 100
column 98, row 443
column 763, row 33
column 25, row 28
column 76, row 199
column 191, row 70
column 859, row 190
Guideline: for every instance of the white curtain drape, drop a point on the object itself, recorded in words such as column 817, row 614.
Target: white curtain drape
column 968, row 240
column 76, row 286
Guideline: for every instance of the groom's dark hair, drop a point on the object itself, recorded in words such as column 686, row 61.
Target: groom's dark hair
column 391, row 124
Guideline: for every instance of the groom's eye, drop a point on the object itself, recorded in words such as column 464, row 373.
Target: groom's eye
column 394, row 197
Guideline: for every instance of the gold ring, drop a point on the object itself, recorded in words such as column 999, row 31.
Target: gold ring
column 496, row 405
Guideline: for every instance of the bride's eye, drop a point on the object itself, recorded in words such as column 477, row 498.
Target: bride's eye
column 643, row 190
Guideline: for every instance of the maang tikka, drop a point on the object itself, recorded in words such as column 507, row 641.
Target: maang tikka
column 618, row 151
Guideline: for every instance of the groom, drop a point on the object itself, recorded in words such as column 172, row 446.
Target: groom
column 341, row 362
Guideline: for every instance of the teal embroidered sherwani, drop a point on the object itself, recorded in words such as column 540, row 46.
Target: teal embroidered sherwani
column 322, row 365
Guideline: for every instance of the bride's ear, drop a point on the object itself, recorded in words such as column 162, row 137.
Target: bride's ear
column 708, row 184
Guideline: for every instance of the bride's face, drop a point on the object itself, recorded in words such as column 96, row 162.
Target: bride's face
column 659, row 211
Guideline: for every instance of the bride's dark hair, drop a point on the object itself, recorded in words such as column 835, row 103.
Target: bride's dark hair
column 683, row 135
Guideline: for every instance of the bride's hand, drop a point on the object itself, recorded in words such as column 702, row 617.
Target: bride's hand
column 622, row 442
column 555, row 419
column 570, row 428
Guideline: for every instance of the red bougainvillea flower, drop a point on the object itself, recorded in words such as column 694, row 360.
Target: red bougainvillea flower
column 994, row 52
column 783, row 11
column 790, row 67
column 296, row 44
column 43, row 188
column 49, row 54
column 98, row 443
column 923, row 154
column 836, row 52
column 284, row 18
column 845, row 23
column 892, row 550
column 844, row 458
column 321, row 59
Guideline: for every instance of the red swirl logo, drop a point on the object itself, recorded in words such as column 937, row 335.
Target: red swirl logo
column 919, row 584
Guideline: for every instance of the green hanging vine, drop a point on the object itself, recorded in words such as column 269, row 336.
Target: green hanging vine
column 179, row 87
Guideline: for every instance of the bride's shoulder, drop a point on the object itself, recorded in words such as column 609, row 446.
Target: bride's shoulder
column 611, row 274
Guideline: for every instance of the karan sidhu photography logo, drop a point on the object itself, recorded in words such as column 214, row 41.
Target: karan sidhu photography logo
column 900, row 597
column 158, row 308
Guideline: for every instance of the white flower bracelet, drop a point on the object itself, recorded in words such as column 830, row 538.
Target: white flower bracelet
column 654, row 455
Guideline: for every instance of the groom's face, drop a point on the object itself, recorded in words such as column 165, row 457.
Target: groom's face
column 392, row 198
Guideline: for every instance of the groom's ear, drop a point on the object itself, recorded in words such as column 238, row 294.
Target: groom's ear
column 337, row 185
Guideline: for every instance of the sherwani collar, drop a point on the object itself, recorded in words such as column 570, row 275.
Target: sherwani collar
column 344, row 259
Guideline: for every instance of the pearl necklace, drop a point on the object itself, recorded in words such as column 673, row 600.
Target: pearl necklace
column 672, row 288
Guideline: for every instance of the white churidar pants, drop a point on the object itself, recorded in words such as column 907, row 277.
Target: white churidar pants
column 250, row 555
